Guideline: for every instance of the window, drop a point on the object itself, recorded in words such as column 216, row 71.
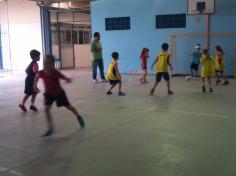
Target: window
column 119, row 23
column 171, row 21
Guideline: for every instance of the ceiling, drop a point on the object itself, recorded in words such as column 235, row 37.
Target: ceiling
column 79, row 5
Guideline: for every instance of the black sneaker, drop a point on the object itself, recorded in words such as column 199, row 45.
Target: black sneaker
column 203, row 89
column 33, row 108
column 23, row 108
column 109, row 93
column 104, row 81
column 49, row 132
column 151, row 92
column 226, row 83
column 121, row 94
column 211, row 90
column 217, row 82
column 81, row 122
column 170, row 93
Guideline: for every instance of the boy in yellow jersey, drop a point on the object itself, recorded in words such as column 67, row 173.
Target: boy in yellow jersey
column 162, row 62
column 220, row 66
column 207, row 71
column 113, row 74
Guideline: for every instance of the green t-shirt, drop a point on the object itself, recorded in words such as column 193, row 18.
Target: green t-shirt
column 98, row 54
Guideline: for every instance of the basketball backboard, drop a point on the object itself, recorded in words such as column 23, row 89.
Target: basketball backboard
column 198, row 7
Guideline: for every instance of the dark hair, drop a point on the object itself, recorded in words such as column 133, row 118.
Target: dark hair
column 50, row 58
column 96, row 34
column 218, row 48
column 165, row 46
column 205, row 50
column 34, row 53
column 115, row 55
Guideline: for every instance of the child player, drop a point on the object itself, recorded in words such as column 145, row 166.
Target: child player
column 113, row 74
column 54, row 92
column 31, row 71
column 207, row 71
column 162, row 62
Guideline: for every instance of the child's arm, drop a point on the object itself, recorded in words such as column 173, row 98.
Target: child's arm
column 169, row 63
column 35, row 68
column 117, row 71
column 61, row 76
column 36, row 79
column 154, row 63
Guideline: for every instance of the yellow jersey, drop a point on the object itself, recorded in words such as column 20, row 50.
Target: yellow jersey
column 219, row 61
column 207, row 66
column 162, row 62
column 112, row 73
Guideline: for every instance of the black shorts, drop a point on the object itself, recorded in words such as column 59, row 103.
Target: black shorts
column 194, row 66
column 165, row 75
column 219, row 71
column 112, row 82
column 60, row 99
column 29, row 83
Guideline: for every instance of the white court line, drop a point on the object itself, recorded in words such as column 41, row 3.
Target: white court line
column 191, row 113
column 12, row 172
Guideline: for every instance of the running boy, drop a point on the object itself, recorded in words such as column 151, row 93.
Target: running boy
column 196, row 60
column 220, row 66
column 207, row 71
column 113, row 74
column 162, row 62
column 54, row 92
column 31, row 71
column 144, row 57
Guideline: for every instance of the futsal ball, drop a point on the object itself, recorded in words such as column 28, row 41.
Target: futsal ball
column 188, row 78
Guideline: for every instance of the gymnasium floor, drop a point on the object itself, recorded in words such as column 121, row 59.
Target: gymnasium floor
column 187, row 134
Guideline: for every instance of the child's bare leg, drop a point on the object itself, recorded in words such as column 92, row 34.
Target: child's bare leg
column 50, row 125
column 112, row 86
column 25, row 99
column 33, row 97
column 168, row 85
column 154, row 87
column 120, row 86
column 145, row 76
column 203, row 85
column 79, row 117
column 49, row 116
column 209, row 82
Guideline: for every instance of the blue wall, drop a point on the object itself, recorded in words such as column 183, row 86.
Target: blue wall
column 143, row 33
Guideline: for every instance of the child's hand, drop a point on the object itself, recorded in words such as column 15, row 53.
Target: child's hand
column 36, row 89
column 68, row 80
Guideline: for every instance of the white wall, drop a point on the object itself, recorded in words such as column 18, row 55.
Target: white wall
column 82, row 56
column 25, row 31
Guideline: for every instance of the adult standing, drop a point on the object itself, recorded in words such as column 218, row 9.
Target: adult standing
column 97, row 59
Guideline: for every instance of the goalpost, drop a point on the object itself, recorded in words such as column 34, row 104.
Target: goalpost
column 182, row 45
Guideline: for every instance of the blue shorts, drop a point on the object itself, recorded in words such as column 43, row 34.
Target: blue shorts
column 112, row 82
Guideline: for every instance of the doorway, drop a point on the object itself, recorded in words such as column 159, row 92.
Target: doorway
column 70, row 33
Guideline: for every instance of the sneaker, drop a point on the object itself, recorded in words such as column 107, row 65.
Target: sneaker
column 217, row 82
column 109, row 93
column 170, row 93
column 211, row 90
column 121, row 94
column 49, row 132
column 81, row 122
column 226, row 83
column 23, row 108
column 95, row 81
column 151, row 92
column 203, row 89
column 33, row 108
